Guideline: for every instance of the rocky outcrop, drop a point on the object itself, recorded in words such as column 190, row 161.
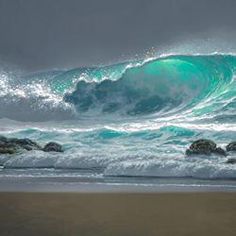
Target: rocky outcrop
column 231, row 147
column 15, row 145
column 52, row 147
column 231, row 161
column 3, row 139
column 204, row 147
column 8, row 149
column 26, row 144
column 220, row 151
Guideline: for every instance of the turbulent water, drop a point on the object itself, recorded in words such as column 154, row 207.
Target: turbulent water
column 130, row 119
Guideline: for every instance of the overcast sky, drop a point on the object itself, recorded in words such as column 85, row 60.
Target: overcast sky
column 45, row 34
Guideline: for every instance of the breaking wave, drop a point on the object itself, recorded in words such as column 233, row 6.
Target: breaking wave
column 130, row 119
column 200, row 85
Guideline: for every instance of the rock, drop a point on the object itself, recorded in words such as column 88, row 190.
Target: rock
column 204, row 147
column 14, row 145
column 3, row 139
column 231, row 147
column 201, row 147
column 8, row 148
column 220, row 151
column 6, row 151
column 231, row 161
column 52, row 147
column 26, row 144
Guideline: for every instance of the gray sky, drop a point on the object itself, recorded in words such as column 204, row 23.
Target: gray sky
column 44, row 34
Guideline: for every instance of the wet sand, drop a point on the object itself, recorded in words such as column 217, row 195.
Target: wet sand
column 124, row 214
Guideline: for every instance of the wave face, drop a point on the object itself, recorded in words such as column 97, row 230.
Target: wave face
column 140, row 115
column 160, row 86
column 202, row 84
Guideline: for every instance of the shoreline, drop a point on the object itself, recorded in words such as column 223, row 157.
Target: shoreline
column 106, row 214
column 112, row 185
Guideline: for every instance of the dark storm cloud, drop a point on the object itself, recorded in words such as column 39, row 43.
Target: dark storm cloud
column 41, row 34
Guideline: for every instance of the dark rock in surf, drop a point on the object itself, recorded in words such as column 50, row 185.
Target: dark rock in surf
column 26, row 144
column 204, row 147
column 231, row 147
column 14, row 145
column 220, row 151
column 201, row 146
column 8, row 149
column 53, row 147
column 231, row 161
column 3, row 139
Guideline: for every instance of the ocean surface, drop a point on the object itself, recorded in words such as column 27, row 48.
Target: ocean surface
column 126, row 123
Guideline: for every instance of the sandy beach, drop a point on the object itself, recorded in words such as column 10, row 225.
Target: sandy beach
column 111, row 214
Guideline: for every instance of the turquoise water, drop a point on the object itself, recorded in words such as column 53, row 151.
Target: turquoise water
column 130, row 119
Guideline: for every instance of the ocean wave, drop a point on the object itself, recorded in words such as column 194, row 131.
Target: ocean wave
column 193, row 85
column 146, row 153
column 200, row 168
column 167, row 166
column 130, row 119
column 159, row 86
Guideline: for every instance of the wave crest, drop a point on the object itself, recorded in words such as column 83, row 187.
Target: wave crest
column 200, row 85
column 162, row 85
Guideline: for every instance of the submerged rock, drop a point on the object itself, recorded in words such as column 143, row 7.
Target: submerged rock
column 231, row 147
column 204, row 147
column 52, row 147
column 3, row 139
column 231, row 161
column 220, row 151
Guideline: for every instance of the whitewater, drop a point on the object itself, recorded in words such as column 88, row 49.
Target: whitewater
column 132, row 119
